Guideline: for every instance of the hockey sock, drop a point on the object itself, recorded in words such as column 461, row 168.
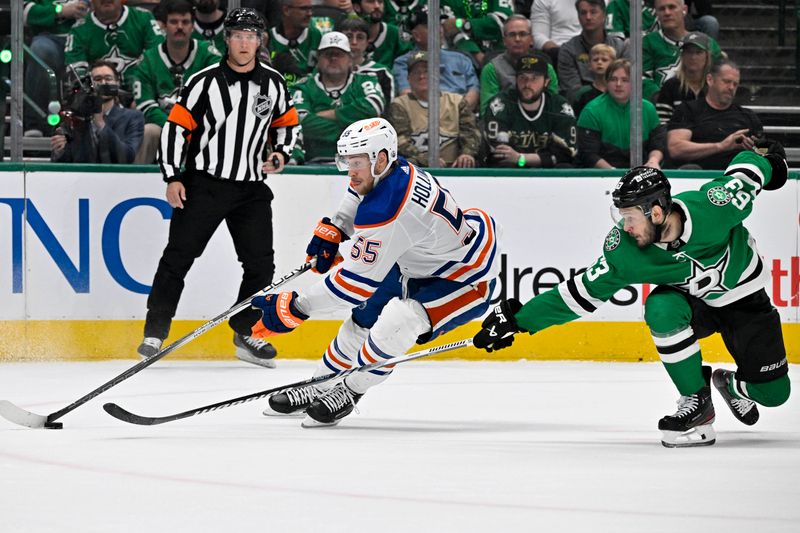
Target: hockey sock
column 770, row 394
column 687, row 375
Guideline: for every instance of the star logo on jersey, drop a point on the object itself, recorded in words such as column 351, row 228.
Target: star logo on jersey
column 497, row 106
column 120, row 60
column 262, row 105
column 566, row 109
column 719, row 196
column 612, row 240
column 706, row 280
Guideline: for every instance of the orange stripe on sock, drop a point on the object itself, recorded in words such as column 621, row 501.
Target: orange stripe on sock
column 337, row 360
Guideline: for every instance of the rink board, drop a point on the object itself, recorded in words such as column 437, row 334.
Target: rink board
column 79, row 246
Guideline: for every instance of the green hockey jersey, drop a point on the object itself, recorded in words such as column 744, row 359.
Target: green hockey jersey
column 303, row 49
column 360, row 98
column 388, row 46
column 121, row 43
column 660, row 57
column 715, row 258
column 529, row 132
column 214, row 33
column 399, row 12
column 618, row 17
column 157, row 80
column 486, row 19
column 40, row 16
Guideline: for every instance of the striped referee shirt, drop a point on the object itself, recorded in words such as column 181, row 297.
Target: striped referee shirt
column 223, row 121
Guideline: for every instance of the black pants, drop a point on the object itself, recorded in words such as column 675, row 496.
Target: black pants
column 245, row 208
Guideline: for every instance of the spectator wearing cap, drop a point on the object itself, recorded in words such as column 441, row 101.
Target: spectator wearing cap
column 708, row 132
column 475, row 26
column 332, row 98
column 660, row 49
column 574, row 69
column 500, row 73
column 459, row 139
column 604, row 136
column 385, row 42
column 456, row 72
column 295, row 35
column 527, row 126
column 689, row 82
column 554, row 23
column 356, row 30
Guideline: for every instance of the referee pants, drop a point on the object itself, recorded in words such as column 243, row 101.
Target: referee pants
column 245, row 208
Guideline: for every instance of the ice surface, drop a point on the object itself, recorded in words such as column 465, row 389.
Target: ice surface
column 440, row 447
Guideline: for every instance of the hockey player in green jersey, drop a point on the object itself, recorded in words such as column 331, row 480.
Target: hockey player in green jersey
column 295, row 35
column 527, row 126
column 113, row 32
column 209, row 23
column 618, row 17
column 332, row 98
column 476, row 26
column 159, row 78
column 710, row 279
column 386, row 43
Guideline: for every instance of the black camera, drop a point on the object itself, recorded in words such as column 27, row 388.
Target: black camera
column 83, row 99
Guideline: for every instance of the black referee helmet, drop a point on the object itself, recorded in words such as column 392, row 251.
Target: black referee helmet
column 244, row 18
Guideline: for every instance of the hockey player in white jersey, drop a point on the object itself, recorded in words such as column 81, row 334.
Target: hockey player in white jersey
column 419, row 266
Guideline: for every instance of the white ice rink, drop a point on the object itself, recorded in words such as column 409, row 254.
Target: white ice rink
column 440, row 447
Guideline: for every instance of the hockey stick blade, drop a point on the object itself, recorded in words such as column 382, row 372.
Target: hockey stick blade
column 20, row 416
column 126, row 416
column 32, row 420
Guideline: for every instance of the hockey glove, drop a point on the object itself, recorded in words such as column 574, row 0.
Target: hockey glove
column 279, row 314
column 776, row 155
column 324, row 246
column 498, row 329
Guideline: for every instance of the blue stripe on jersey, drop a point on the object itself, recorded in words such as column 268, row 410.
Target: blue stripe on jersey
column 474, row 248
column 351, row 191
column 359, row 279
column 339, row 294
column 485, row 269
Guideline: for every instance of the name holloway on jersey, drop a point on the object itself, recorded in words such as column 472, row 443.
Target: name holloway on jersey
column 410, row 220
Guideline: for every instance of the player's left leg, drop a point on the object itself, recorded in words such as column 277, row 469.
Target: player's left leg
column 751, row 330
column 669, row 316
column 434, row 307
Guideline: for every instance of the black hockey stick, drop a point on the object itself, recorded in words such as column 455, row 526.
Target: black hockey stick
column 20, row 416
column 126, row 416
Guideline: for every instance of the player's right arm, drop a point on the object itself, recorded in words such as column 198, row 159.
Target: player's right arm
column 177, row 132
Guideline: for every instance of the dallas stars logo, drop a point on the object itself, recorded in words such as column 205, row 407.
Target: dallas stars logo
column 120, row 60
column 706, row 280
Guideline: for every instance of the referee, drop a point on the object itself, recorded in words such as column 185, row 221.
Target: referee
column 220, row 131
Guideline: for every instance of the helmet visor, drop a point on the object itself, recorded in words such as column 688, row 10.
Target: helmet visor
column 627, row 216
column 354, row 162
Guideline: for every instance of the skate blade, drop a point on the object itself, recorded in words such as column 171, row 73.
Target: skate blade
column 275, row 414
column 309, row 422
column 247, row 357
column 697, row 436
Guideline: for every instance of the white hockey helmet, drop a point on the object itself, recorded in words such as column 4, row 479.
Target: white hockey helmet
column 369, row 136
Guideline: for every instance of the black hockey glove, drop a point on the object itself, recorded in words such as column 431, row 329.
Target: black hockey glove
column 498, row 329
column 776, row 155
column 555, row 151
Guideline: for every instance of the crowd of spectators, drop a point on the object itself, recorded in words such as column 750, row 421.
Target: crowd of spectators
column 525, row 84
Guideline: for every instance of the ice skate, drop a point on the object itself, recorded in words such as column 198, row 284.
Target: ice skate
column 253, row 350
column 331, row 407
column 149, row 347
column 292, row 402
column 691, row 425
column 743, row 409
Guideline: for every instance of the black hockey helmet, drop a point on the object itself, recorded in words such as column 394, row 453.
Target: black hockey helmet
column 244, row 18
column 643, row 187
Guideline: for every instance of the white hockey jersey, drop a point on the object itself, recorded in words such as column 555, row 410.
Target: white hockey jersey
column 410, row 220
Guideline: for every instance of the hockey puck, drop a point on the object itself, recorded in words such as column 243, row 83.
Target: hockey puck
column 53, row 425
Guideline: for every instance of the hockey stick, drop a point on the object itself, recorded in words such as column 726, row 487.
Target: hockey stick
column 20, row 416
column 126, row 416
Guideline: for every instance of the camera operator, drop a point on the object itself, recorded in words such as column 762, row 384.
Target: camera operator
column 96, row 128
